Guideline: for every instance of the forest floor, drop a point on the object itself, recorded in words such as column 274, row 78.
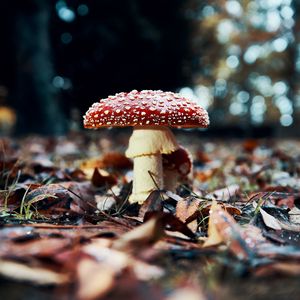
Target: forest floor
column 67, row 231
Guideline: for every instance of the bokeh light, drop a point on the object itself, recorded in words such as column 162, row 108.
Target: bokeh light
column 249, row 60
column 83, row 9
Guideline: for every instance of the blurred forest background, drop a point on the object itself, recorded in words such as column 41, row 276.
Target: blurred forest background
column 238, row 59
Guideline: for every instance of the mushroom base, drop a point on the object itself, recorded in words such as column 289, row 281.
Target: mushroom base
column 147, row 177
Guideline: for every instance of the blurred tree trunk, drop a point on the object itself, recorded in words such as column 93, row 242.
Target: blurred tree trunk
column 37, row 100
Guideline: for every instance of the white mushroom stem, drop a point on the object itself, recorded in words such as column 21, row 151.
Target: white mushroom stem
column 147, row 176
column 145, row 147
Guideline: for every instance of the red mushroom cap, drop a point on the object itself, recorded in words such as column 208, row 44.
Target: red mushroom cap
column 179, row 160
column 146, row 108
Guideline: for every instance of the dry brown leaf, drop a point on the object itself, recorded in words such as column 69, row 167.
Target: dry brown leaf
column 102, row 178
column 202, row 157
column 151, row 204
column 205, row 175
column 214, row 237
column 144, row 271
column 294, row 214
column 279, row 268
column 276, row 224
column 117, row 261
column 80, row 194
column 104, row 202
column 290, row 226
column 116, row 160
column 269, row 220
column 250, row 144
column 227, row 207
column 89, row 165
column 101, row 251
column 226, row 193
column 95, row 279
column 288, row 201
column 36, row 275
column 45, row 247
column 141, row 236
column 187, row 210
column 171, row 223
column 187, row 293
column 193, row 226
column 223, row 228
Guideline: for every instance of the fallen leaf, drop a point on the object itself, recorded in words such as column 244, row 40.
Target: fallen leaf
column 289, row 226
column 224, row 229
column 188, row 209
column 233, row 210
column 105, row 203
column 279, row 268
column 144, row 271
column 151, row 204
column 118, row 261
column 79, row 196
column 35, row 275
column 204, row 175
column 101, row 178
column 226, row 193
column 116, row 160
column 269, row 220
column 202, row 157
column 288, row 201
column 45, row 247
column 187, row 292
column 141, row 236
column 272, row 251
column 95, row 279
column 38, row 198
column 170, row 222
column 250, row 145
column 214, row 237
column 294, row 214
column 276, row 224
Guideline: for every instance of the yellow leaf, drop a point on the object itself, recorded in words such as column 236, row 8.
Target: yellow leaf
column 214, row 237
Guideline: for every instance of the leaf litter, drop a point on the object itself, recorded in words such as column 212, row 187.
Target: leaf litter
column 66, row 221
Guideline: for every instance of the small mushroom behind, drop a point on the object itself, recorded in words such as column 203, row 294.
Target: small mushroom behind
column 177, row 166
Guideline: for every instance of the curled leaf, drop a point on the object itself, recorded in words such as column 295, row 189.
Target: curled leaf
column 187, row 210
column 95, row 279
column 36, row 275
column 102, row 178
column 214, row 237
column 269, row 220
column 143, row 235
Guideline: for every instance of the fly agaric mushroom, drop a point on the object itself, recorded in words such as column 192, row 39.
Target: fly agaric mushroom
column 151, row 113
column 176, row 167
